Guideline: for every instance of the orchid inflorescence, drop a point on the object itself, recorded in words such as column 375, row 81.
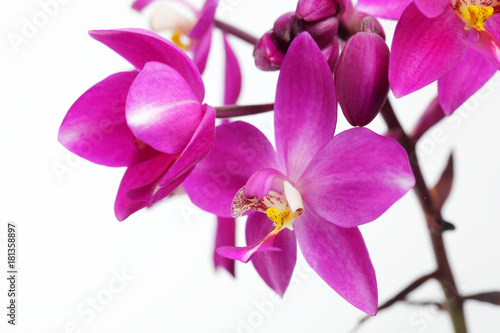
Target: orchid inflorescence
column 313, row 187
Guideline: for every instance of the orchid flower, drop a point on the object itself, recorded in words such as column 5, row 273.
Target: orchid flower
column 151, row 120
column 316, row 188
column 454, row 42
column 199, row 36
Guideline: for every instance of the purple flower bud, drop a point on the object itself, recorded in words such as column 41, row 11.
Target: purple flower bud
column 282, row 30
column 361, row 77
column 331, row 54
column 314, row 10
column 323, row 32
column 352, row 21
column 268, row 57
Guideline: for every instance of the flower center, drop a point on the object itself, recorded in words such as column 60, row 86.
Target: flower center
column 474, row 16
column 282, row 208
column 181, row 40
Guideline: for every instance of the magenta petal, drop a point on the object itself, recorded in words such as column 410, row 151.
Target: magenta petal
column 473, row 71
column 340, row 258
column 263, row 181
column 201, row 48
column 488, row 46
column 356, row 177
column 139, row 5
column 95, row 127
column 391, row 10
column 432, row 115
column 232, row 81
column 140, row 46
column 432, row 8
column 226, row 235
column 306, row 107
column 240, row 149
column 137, row 176
column 245, row 254
column 424, row 49
column 275, row 267
column 198, row 147
column 206, row 20
column 162, row 109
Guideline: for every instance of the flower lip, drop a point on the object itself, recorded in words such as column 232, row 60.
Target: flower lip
column 474, row 14
column 282, row 208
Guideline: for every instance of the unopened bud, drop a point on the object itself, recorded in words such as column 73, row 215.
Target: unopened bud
column 268, row 57
column 361, row 77
column 282, row 30
column 314, row 10
column 324, row 32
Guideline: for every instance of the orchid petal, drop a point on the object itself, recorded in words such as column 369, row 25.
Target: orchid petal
column 201, row 48
column 263, row 181
column 340, row 258
column 197, row 148
column 140, row 46
column 137, row 176
column 488, row 46
column 356, row 177
column 95, row 128
column 306, row 107
column 232, row 81
column 206, row 20
column 245, row 254
column 419, row 55
column 473, row 71
column 240, row 149
column 432, row 115
column 390, row 10
column 162, row 109
column 226, row 235
column 275, row 267
column 139, row 5
column 432, row 8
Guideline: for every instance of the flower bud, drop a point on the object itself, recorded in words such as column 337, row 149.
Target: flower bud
column 268, row 57
column 282, row 30
column 361, row 76
column 324, row 32
column 314, row 10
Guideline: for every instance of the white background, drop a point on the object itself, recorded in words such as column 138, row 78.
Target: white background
column 71, row 247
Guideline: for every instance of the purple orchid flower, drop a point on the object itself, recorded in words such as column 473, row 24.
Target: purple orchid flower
column 199, row 35
column 454, row 42
column 316, row 188
column 151, row 120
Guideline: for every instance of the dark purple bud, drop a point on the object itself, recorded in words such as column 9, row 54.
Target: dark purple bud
column 282, row 30
column 352, row 20
column 314, row 10
column 268, row 57
column 324, row 32
column 331, row 54
column 361, row 77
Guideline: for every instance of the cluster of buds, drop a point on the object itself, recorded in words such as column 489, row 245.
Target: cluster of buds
column 315, row 17
column 361, row 72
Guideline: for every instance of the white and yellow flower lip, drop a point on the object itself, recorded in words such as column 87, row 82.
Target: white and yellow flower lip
column 282, row 208
column 475, row 12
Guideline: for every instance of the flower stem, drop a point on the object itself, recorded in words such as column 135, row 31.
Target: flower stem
column 444, row 274
column 236, row 32
column 230, row 111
